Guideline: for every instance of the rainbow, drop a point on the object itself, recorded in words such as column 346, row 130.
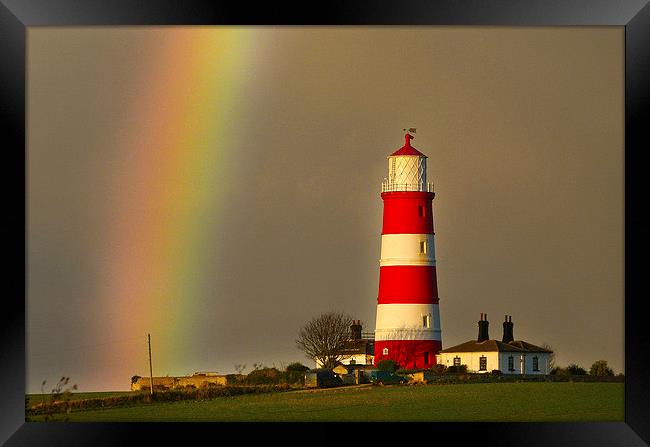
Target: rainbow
column 171, row 178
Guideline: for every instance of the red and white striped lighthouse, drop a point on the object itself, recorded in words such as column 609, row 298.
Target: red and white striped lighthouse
column 407, row 328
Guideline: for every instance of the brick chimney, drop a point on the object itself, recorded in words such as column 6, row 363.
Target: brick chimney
column 508, row 330
column 355, row 329
column 483, row 328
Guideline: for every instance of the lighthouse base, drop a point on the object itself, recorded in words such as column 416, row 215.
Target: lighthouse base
column 408, row 354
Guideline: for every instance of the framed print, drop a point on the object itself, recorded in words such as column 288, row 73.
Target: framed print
column 203, row 199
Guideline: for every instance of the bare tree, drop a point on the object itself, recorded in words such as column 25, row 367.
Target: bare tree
column 551, row 356
column 324, row 338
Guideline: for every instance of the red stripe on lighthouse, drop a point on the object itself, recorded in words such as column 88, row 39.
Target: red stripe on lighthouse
column 407, row 212
column 408, row 353
column 408, row 284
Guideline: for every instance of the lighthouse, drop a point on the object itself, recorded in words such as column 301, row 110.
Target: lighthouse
column 407, row 327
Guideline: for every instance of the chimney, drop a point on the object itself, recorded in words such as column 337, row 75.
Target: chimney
column 355, row 328
column 483, row 329
column 507, row 330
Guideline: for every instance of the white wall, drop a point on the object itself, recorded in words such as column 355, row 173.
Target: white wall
column 360, row 359
column 498, row 360
column 471, row 359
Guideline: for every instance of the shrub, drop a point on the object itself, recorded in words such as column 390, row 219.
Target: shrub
column 297, row 367
column 264, row 376
column 135, row 379
column 600, row 369
column 439, row 369
column 234, row 379
column 387, row 365
column 460, row 369
column 496, row 372
column 576, row 370
column 295, row 373
column 558, row 371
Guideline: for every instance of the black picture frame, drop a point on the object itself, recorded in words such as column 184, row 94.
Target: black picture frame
column 17, row 15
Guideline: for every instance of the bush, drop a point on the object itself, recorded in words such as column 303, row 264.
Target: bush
column 496, row 372
column 295, row 373
column 297, row 367
column 576, row 370
column 234, row 379
column 460, row 369
column 387, row 365
column 135, row 379
column 439, row 369
column 600, row 369
column 264, row 376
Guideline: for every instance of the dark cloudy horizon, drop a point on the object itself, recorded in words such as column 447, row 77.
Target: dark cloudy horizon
column 217, row 187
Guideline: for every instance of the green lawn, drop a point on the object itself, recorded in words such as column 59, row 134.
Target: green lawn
column 466, row 402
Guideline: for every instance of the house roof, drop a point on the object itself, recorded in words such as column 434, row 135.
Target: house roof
column 494, row 345
column 528, row 346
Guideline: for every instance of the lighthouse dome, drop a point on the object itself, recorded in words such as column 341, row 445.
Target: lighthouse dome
column 407, row 170
column 407, row 149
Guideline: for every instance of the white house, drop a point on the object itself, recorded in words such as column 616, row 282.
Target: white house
column 508, row 356
column 358, row 350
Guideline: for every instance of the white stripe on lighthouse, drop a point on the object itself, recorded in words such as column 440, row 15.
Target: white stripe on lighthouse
column 407, row 322
column 407, row 249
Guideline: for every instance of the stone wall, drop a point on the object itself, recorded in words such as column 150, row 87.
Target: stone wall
column 197, row 381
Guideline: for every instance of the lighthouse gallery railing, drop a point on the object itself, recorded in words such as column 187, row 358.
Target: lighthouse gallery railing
column 388, row 186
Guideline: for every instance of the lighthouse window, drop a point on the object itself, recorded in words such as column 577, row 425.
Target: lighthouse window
column 385, row 351
column 426, row 321
column 426, row 358
column 423, row 247
column 482, row 363
column 535, row 364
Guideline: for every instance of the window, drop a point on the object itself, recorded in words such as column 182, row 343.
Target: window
column 456, row 361
column 421, row 211
column 385, row 351
column 511, row 363
column 426, row 321
column 482, row 363
column 426, row 358
column 423, row 247
column 535, row 364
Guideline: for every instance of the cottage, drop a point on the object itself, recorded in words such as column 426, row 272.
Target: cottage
column 508, row 355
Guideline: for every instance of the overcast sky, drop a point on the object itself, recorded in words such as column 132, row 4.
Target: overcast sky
column 523, row 128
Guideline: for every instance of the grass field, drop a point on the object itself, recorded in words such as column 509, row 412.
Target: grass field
column 466, row 402
column 37, row 398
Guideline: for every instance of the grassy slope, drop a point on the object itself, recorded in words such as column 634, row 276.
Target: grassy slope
column 468, row 402
column 37, row 398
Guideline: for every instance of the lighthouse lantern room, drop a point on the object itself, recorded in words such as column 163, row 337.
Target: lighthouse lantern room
column 408, row 320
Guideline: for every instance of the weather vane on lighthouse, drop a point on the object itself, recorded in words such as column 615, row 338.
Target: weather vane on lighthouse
column 410, row 130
